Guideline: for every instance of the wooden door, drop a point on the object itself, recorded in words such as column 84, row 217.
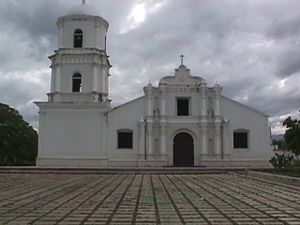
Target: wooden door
column 183, row 147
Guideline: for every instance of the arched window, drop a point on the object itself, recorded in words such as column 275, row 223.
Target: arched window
column 240, row 138
column 78, row 38
column 76, row 82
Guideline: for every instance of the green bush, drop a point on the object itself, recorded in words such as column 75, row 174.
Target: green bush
column 296, row 163
column 282, row 162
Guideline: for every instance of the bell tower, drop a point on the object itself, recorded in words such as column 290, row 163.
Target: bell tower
column 80, row 66
column 72, row 123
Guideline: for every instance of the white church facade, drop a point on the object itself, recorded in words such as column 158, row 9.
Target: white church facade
column 180, row 122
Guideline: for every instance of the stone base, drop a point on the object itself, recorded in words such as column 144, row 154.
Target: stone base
column 71, row 162
column 152, row 163
column 214, row 157
column 236, row 163
column 122, row 163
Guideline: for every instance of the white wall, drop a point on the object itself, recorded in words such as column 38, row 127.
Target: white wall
column 243, row 117
column 93, row 36
column 68, row 70
column 125, row 116
column 69, row 133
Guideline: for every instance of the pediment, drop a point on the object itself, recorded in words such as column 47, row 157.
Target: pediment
column 182, row 76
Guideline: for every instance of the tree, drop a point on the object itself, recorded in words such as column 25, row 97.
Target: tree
column 18, row 140
column 280, row 144
column 292, row 135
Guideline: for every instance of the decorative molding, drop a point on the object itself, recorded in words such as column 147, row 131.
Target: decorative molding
column 77, row 97
column 84, row 55
column 92, row 20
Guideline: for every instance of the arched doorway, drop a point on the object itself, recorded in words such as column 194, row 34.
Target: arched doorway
column 183, row 147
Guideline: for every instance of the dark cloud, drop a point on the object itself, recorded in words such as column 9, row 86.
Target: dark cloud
column 34, row 17
column 250, row 47
column 289, row 61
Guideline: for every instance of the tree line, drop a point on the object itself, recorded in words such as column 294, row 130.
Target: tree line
column 18, row 140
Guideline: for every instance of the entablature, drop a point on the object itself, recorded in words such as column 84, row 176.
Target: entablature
column 93, row 20
column 85, row 55
column 77, row 97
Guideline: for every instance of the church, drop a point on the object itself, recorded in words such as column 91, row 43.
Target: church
column 180, row 122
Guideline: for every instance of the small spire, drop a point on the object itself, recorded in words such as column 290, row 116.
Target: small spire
column 181, row 56
column 83, row 2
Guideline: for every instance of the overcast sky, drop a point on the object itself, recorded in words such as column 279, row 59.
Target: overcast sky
column 251, row 48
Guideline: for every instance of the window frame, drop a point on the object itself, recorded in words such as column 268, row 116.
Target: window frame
column 78, row 33
column 125, row 131
column 189, row 105
column 76, row 76
column 240, row 131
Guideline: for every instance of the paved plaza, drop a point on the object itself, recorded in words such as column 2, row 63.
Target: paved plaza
column 145, row 199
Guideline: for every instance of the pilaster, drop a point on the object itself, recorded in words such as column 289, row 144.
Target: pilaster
column 149, row 99
column 95, row 78
column 217, row 95
column 203, row 129
column 149, row 139
column 163, row 129
column 225, row 138
column 53, row 78
column 60, row 37
column 162, row 100
column 203, row 100
column 217, row 139
column 142, row 139
column 57, row 78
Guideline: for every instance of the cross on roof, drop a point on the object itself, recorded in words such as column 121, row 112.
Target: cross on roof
column 181, row 56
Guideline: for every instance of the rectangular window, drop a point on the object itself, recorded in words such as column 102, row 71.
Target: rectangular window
column 125, row 139
column 240, row 140
column 182, row 106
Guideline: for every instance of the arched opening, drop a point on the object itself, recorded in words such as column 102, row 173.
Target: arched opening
column 78, row 38
column 183, row 148
column 76, row 82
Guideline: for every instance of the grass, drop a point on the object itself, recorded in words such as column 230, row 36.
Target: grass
column 294, row 172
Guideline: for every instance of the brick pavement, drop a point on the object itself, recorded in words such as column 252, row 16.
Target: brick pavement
column 145, row 199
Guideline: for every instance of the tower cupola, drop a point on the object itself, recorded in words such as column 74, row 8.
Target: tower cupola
column 82, row 9
column 87, row 20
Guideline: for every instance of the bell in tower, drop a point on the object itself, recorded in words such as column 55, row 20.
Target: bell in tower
column 80, row 66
